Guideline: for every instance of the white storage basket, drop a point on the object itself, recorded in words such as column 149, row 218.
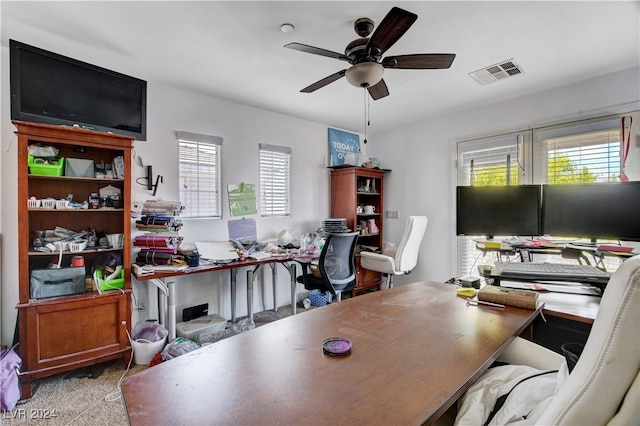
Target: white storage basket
column 48, row 204
column 77, row 246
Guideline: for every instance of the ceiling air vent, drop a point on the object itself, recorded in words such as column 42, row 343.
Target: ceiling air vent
column 496, row 72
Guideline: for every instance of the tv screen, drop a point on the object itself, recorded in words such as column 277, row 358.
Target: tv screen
column 498, row 210
column 608, row 210
column 54, row 89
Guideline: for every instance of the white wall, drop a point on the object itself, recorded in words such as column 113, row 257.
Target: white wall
column 422, row 155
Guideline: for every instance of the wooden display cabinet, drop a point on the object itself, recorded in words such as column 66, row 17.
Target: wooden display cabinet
column 62, row 333
column 359, row 186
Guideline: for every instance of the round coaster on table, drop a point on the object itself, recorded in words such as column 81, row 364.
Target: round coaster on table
column 337, row 346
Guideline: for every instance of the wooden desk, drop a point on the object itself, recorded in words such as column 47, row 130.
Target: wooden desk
column 416, row 350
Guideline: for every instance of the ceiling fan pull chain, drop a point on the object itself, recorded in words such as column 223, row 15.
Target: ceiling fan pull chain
column 366, row 120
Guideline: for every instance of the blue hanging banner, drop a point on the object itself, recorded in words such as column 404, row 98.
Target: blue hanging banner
column 344, row 148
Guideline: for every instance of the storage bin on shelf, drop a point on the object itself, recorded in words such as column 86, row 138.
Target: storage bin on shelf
column 105, row 285
column 45, row 169
column 48, row 203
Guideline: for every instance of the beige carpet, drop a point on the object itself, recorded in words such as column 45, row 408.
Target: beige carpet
column 74, row 399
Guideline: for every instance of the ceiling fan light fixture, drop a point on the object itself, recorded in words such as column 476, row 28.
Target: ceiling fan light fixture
column 365, row 74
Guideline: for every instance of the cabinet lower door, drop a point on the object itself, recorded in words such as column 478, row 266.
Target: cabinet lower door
column 69, row 334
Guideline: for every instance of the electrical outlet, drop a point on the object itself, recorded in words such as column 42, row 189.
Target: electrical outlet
column 142, row 305
column 392, row 214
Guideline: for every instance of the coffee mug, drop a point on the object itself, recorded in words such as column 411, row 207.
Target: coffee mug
column 115, row 240
column 369, row 209
column 359, row 210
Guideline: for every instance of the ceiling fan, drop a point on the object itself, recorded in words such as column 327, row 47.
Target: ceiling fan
column 365, row 54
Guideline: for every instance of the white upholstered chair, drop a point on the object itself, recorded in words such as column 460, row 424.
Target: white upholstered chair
column 604, row 386
column 398, row 260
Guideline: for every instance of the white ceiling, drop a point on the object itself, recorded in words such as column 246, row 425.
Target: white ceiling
column 234, row 50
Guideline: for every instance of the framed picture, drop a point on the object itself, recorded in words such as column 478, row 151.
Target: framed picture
column 344, row 148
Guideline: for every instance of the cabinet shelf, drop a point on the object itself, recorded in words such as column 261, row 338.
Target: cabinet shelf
column 89, row 295
column 73, row 253
column 74, row 178
column 100, row 210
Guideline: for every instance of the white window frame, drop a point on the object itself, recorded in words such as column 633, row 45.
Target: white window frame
column 200, row 175
column 275, row 180
column 490, row 151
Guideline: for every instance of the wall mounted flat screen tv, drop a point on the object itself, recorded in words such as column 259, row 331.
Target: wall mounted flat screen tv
column 608, row 210
column 498, row 210
column 54, row 89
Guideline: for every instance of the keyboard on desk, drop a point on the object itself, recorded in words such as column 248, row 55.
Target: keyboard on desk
column 550, row 271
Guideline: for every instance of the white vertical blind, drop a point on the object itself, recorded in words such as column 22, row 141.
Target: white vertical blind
column 199, row 172
column 275, row 180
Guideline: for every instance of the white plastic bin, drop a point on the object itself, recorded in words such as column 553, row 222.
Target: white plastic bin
column 144, row 350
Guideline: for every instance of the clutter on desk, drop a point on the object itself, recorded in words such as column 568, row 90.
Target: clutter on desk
column 159, row 223
column 162, row 208
column 333, row 226
column 160, row 245
column 507, row 296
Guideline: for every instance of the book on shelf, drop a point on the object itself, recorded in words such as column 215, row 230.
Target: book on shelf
column 509, row 296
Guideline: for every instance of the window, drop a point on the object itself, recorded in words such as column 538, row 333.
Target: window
column 199, row 173
column 275, row 186
column 490, row 161
column 585, row 151
column 582, row 152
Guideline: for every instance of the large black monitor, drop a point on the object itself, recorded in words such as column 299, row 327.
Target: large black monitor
column 54, row 89
column 498, row 210
column 608, row 210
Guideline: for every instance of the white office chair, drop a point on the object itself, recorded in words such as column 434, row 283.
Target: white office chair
column 604, row 386
column 398, row 260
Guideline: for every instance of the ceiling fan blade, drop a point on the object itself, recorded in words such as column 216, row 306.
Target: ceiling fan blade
column 378, row 90
column 316, row 51
column 392, row 27
column 420, row 61
column 321, row 83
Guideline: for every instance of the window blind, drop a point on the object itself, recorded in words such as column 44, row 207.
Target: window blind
column 584, row 151
column 199, row 173
column 275, row 180
column 490, row 161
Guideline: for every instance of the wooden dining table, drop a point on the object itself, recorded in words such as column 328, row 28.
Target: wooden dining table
column 416, row 348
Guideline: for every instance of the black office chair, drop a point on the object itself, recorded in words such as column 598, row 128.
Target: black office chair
column 336, row 266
